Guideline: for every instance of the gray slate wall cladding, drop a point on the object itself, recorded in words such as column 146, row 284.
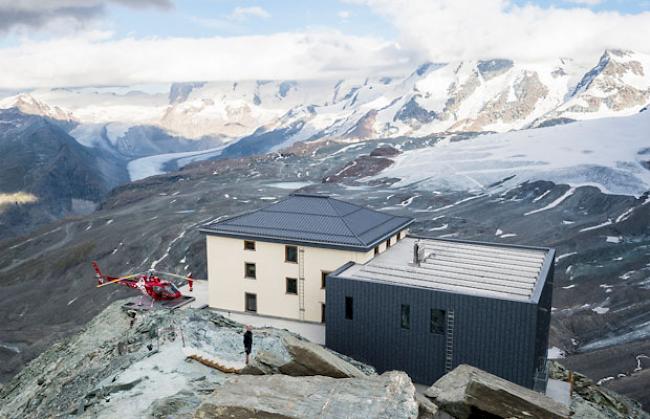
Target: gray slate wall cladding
column 499, row 336
column 544, row 316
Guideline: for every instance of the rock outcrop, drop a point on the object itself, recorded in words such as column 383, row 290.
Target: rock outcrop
column 363, row 166
column 591, row 401
column 390, row 395
column 307, row 358
column 467, row 391
column 114, row 370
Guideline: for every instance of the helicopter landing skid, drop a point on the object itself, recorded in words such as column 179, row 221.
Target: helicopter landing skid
column 148, row 304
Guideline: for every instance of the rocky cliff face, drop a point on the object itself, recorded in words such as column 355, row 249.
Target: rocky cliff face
column 142, row 368
column 618, row 83
column 39, row 158
column 125, row 365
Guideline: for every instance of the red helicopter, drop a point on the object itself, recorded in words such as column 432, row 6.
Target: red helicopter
column 148, row 283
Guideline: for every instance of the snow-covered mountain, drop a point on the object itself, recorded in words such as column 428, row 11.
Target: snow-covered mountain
column 29, row 105
column 252, row 117
column 618, row 85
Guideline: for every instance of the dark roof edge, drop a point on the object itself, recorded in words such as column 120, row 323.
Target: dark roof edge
column 271, row 239
column 310, row 195
column 549, row 261
column 312, row 243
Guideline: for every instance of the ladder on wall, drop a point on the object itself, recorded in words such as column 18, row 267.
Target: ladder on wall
column 449, row 346
column 301, row 281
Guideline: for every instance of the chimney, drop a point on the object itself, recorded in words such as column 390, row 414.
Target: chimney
column 418, row 253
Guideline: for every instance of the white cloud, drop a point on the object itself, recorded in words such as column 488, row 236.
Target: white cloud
column 344, row 14
column 241, row 13
column 37, row 14
column 98, row 60
column 447, row 30
column 437, row 30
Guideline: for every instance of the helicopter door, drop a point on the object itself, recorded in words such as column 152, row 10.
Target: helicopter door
column 159, row 291
column 170, row 291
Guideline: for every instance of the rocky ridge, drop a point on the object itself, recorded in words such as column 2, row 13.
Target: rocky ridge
column 117, row 367
column 488, row 95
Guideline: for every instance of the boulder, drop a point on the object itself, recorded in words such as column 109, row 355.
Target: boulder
column 263, row 363
column 178, row 406
column 311, row 359
column 468, row 391
column 278, row 396
column 428, row 410
column 306, row 359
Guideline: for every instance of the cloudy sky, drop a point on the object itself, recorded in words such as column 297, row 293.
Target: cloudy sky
column 57, row 43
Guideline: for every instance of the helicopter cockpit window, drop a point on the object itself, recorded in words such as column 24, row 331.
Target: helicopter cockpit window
column 158, row 290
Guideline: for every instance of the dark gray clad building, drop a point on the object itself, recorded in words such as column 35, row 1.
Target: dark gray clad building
column 428, row 305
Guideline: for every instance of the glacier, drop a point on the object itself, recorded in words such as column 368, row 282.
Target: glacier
column 607, row 153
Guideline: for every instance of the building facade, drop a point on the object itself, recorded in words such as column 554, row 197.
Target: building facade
column 427, row 305
column 275, row 261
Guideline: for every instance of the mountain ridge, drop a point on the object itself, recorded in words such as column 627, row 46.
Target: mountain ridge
column 487, row 95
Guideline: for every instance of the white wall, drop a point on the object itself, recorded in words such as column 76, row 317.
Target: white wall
column 227, row 284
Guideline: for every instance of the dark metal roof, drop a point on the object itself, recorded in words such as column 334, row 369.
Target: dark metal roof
column 313, row 220
column 460, row 267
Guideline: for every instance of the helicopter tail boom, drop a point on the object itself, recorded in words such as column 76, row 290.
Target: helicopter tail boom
column 101, row 278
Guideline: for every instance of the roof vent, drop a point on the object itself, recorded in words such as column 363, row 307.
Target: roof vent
column 418, row 253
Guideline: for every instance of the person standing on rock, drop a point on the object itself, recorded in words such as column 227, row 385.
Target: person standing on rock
column 248, row 342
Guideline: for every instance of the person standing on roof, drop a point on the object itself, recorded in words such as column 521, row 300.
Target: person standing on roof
column 248, row 342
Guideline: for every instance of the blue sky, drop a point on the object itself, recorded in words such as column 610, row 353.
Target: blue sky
column 200, row 18
column 622, row 6
column 197, row 18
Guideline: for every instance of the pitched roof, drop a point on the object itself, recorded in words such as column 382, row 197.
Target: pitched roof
column 313, row 220
column 488, row 270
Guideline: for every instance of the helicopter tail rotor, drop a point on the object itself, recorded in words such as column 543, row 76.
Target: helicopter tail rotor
column 98, row 273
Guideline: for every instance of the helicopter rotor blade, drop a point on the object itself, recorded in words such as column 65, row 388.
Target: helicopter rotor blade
column 122, row 278
column 172, row 274
column 175, row 275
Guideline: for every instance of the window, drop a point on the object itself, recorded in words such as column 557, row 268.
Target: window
column 323, row 278
column 249, row 245
column 250, row 302
column 322, row 313
column 400, row 235
column 349, row 309
column 438, row 321
column 291, row 254
column 292, row 286
column 376, row 250
column 249, row 270
column 387, row 243
column 405, row 316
